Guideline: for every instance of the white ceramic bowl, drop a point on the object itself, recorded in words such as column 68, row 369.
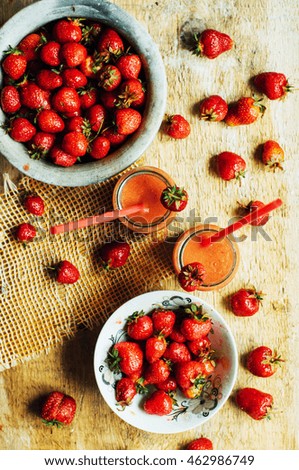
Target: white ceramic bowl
column 34, row 16
column 187, row 414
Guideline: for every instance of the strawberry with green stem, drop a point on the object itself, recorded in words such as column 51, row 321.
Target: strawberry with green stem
column 211, row 43
column 254, row 402
column 262, row 362
column 196, row 324
column 191, row 276
column 14, row 64
column 174, row 198
column 246, row 302
column 139, row 326
column 230, row 166
column 58, row 409
column 272, row 155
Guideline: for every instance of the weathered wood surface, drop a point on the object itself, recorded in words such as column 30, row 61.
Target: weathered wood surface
column 266, row 37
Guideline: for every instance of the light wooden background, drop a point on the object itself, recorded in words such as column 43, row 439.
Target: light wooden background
column 266, row 38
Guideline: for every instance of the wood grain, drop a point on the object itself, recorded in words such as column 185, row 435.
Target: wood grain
column 266, row 38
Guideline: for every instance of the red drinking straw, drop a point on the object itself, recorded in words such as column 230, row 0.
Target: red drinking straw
column 240, row 223
column 97, row 219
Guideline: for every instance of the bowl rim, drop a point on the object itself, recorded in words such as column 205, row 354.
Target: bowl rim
column 133, row 148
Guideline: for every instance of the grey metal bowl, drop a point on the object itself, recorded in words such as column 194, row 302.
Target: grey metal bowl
column 44, row 11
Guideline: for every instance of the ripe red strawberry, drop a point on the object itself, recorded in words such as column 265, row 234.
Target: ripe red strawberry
column 255, row 403
column 48, row 79
column 90, row 33
column 73, row 54
column 21, row 130
column 262, row 362
column 177, row 352
column 156, row 372
column 58, row 409
column 78, row 124
column 10, row 99
column 158, row 403
column 50, row 53
column 74, row 143
column 109, row 99
column 155, row 347
column 212, row 43
column 202, row 443
column 61, row 158
column 110, row 42
column 131, row 93
column 96, row 115
column 49, row 121
column 33, row 97
column 129, row 66
column 29, row 46
column 213, row 108
column 274, row 85
column 73, row 78
column 34, row 204
column 177, row 126
column 125, row 391
column 190, row 378
column 41, row 144
column 126, row 357
column 176, row 334
column 174, row 198
column 272, row 155
column 67, row 30
column 66, row 273
column 245, row 111
column 25, row 233
column 169, row 385
column 66, row 100
column 246, row 302
column 139, row 326
column 200, row 347
column 14, row 64
column 230, row 166
column 114, row 137
column 88, row 97
column 109, row 77
column 196, row 324
column 99, row 148
column 163, row 321
column 192, row 276
column 114, row 254
column 253, row 206
column 91, row 65
column 127, row 120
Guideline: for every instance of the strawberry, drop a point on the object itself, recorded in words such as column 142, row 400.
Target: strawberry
column 41, row 144
column 66, row 273
column 110, row 42
column 49, row 121
column 177, row 127
column 230, row 166
column 114, row 254
column 66, row 100
column 129, row 66
column 262, row 362
column 200, row 347
column 139, row 326
column 255, row 403
column 99, row 148
column 33, row 97
column 67, row 30
column 245, row 111
column 109, row 77
column 126, row 357
column 131, row 93
column 21, row 130
column 158, row 403
column 274, row 85
column 196, row 324
column 90, row 33
column 168, row 385
column 202, row 443
column 191, row 276
column 174, row 198
column 78, row 124
column 25, row 233
column 109, row 99
column 88, row 96
column 212, row 43
column 176, row 334
column 125, row 391
column 30, row 45
column 96, row 115
column 156, row 372
column 34, row 204
column 50, row 53
column 245, row 302
column 14, row 64
column 155, row 347
column 73, row 54
column 10, row 99
column 253, row 206
column 73, row 78
column 90, row 66
column 61, row 158
column 177, row 352
column 127, row 120
column 163, row 321
column 74, row 143
column 272, row 155
column 114, row 137
column 190, row 378
column 58, row 409
column 48, row 80
column 213, row 108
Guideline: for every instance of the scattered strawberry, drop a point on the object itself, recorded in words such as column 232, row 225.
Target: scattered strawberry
column 109, row 77
column 177, row 352
column 129, row 66
column 114, row 254
column 21, row 130
column 246, row 302
column 155, row 347
column 255, row 403
column 66, row 100
column 50, row 53
column 272, row 155
column 174, row 198
column 213, row 108
column 48, row 79
column 72, row 54
column 67, row 30
column 58, row 409
column 49, row 121
column 73, row 78
column 196, row 324
column 41, row 144
column 245, row 111
column 74, row 143
column 14, row 64
column 110, row 42
column 29, row 46
column 202, row 443
column 159, row 403
column 139, row 326
column 177, row 126
column 10, row 99
column 99, row 148
column 25, row 233
column 163, row 321
column 253, row 206
column 156, row 372
column 66, row 273
column 126, row 357
column 230, row 166
column 262, row 362
column 191, row 276
column 61, row 158
column 125, row 391
column 127, row 120
column 34, row 204
column 274, row 85
column 212, row 43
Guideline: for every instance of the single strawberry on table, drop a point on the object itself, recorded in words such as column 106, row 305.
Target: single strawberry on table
column 66, row 272
column 245, row 111
column 26, row 232
column 125, row 391
column 255, row 403
column 34, row 204
column 177, row 127
column 126, row 357
column 139, row 326
column 174, row 198
column 213, row 108
column 58, row 409
column 114, row 254
column 272, row 155
column 202, row 443
column 158, row 403
column 273, row 84
column 191, row 276
column 230, row 166
column 211, row 43
column 262, row 362
column 253, row 206
column 246, row 302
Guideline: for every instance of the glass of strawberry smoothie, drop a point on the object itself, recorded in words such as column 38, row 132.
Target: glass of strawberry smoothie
column 220, row 259
column 143, row 185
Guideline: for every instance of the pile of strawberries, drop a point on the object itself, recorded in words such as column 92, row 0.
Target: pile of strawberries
column 166, row 351
column 73, row 91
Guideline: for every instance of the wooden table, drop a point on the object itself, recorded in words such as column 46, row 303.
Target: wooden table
column 266, row 38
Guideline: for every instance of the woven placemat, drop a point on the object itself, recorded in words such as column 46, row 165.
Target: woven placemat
column 36, row 312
